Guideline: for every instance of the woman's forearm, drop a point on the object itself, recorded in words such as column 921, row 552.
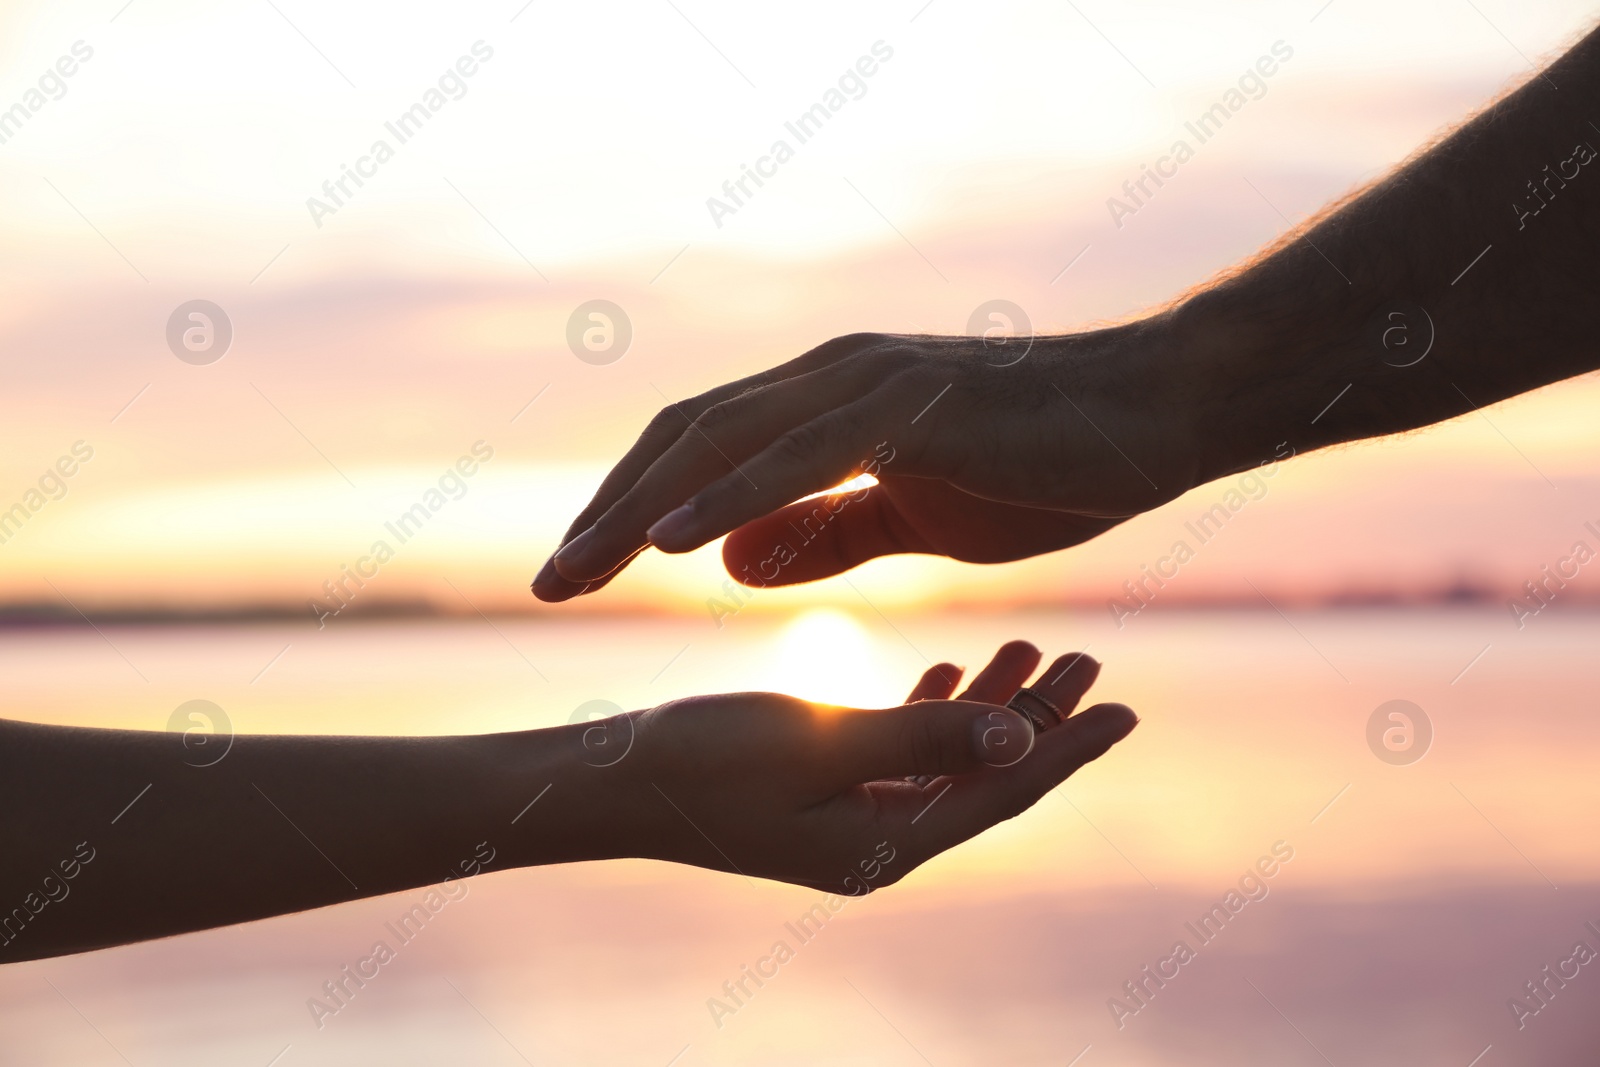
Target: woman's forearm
column 112, row 836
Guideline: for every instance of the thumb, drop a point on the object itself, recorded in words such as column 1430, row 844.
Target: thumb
column 1063, row 749
column 978, row 801
column 932, row 737
column 817, row 538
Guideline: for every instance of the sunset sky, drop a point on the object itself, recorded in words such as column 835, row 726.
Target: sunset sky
column 374, row 345
column 400, row 347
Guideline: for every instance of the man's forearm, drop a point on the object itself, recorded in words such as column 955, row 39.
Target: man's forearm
column 111, row 836
column 1486, row 244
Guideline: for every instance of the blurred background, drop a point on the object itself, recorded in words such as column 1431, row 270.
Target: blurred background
column 254, row 374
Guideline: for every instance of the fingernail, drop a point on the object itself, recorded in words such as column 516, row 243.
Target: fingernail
column 1112, row 722
column 570, row 552
column 546, row 574
column 1001, row 737
column 1076, row 661
column 671, row 525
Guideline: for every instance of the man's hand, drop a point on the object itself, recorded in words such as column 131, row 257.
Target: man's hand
column 1482, row 247
column 977, row 458
column 769, row 786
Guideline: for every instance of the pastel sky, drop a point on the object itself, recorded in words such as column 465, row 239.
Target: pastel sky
column 374, row 345
column 381, row 350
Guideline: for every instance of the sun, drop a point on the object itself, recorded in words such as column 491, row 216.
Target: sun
column 826, row 655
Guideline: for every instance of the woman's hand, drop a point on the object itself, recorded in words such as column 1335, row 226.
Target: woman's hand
column 760, row 784
column 980, row 454
column 773, row 787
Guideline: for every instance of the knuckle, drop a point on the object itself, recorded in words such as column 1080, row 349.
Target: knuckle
column 717, row 416
column 930, row 748
column 801, row 443
column 851, row 344
column 887, row 354
column 864, row 341
column 913, row 741
column 668, row 421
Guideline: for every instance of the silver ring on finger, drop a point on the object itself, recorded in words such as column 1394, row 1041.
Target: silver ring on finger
column 1036, row 708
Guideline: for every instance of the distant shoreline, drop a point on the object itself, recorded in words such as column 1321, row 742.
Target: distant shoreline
column 28, row 615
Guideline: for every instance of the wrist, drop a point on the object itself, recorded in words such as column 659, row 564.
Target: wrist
column 1130, row 396
column 568, row 792
column 1262, row 383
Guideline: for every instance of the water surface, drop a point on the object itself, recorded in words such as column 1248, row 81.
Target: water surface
column 1418, row 901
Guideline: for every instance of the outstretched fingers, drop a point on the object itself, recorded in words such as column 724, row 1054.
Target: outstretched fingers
column 665, row 430
column 1004, row 674
column 718, row 443
column 810, row 458
column 1014, row 773
column 937, row 683
column 1065, row 681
